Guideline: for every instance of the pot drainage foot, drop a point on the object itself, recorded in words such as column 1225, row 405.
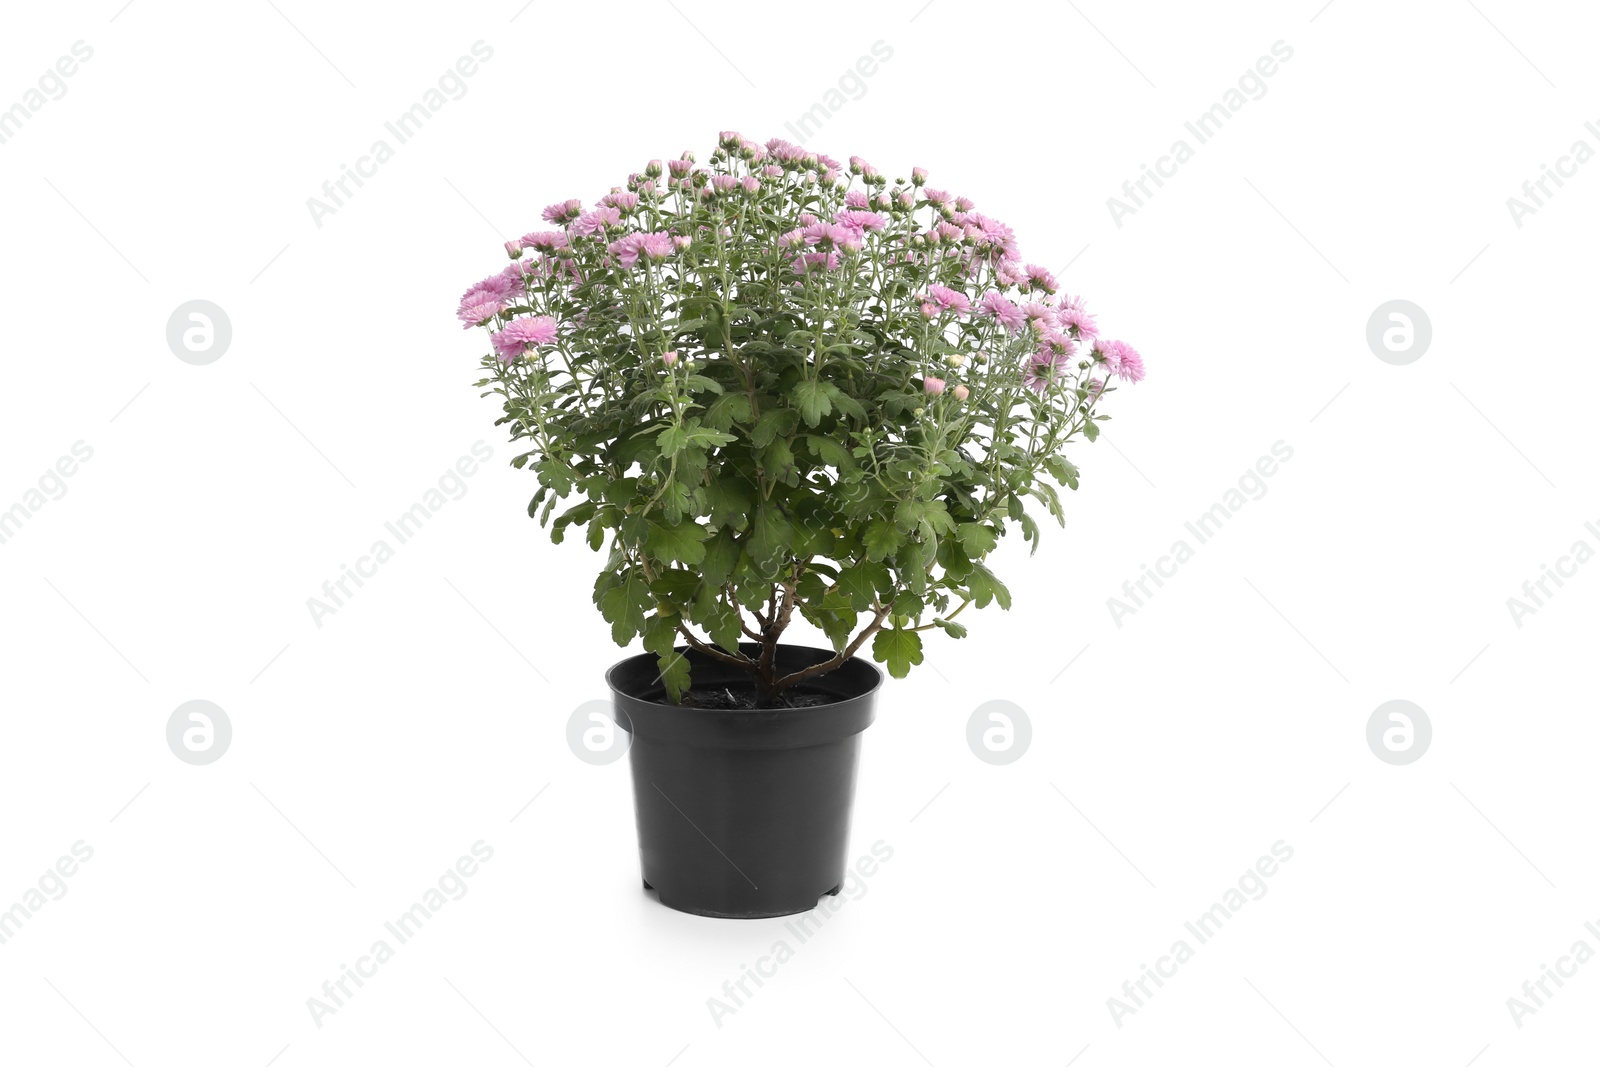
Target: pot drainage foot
column 834, row 891
column 647, row 885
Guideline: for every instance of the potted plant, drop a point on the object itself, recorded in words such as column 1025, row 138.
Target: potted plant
column 772, row 388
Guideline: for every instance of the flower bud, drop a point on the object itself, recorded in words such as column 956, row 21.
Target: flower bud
column 933, row 386
column 918, row 175
column 955, row 360
column 514, row 249
column 652, row 169
column 669, row 358
column 961, row 392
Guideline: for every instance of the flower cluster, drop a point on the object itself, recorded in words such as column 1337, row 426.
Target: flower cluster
column 783, row 384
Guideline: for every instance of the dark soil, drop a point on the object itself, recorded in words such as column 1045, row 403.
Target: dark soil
column 731, row 699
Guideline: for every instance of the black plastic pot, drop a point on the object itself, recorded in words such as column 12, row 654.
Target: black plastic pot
column 744, row 814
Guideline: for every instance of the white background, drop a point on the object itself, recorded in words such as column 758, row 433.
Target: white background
column 1227, row 714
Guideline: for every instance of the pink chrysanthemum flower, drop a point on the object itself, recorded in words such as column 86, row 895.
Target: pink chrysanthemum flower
column 961, row 392
column 936, row 196
column 1044, row 367
column 826, row 235
column 516, row 274
column 772, row 171
column 730, row 139
column 1121, row 359
column 1007, row 273
column 784, row 152
column 679, row 168
column 1039, row 278
column 861, row 220
column 949, row 299
column 1058, row 343
column 964, row 204
column 565, row 211
column 1002, row 310
column 792, row 238
column 621, row 200
column 1042, row 316
column 680, row 242
column 856, row 200
column 724, row 183
column 487, row 299
column 994, row 235
column 545, row 240
column 919, row 175
column 933, row 386
column 750, row 183
column 657, row 246
column 593, row 222
column 1095, row 387
column 1081, row 322
column 522, row 334
column 477, row 312
column 653, row 246
column 813, row 261
column 949, row 231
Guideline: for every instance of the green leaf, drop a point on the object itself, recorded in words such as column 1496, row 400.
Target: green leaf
column 778, row 422
column 727, row 410
column 862, row 583
column 840, row 626
column 908, row 604
column 778, row 461
column 721, row 553
column 844, row 403
column 577, row 513
column 674, row 675
column 954, row 629
column 671, row 441
column 812, row 400
column 729, row 501
column 722, row 623
column 881, row 539
column 900, row 650
column 830, row 451
column 1030, row 532
column 683, row 543
column 699, row 383
column 770, row 534
column 661, row 634
column 976, row 538
column 624, row 605
column 696, row 434
column 1064, row 472
column 984, row 587
column 1090, row 430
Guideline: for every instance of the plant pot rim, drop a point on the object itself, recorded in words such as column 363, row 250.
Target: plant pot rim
column 855, row 683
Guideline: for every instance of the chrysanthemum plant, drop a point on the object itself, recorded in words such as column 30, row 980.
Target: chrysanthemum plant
column 767, row 387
